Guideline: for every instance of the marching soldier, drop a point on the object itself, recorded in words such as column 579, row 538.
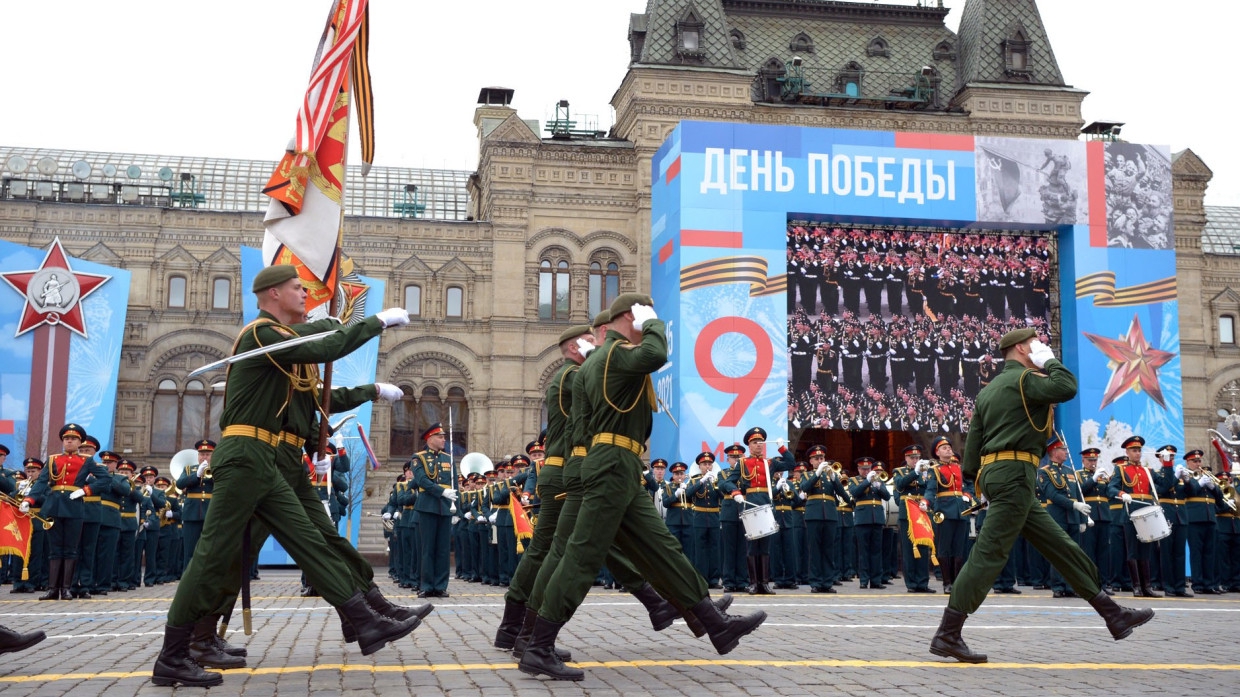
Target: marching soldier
column 1097, row 538
column 731, row 532
column 1202, row 505
column 945, row 494
column 1171, row 483
column 678, row 515
column 822, row 520
column 196, row 484
column 706, row 497
column 868, row 493
column 58, row 492
column 1059, row 488
column 910, row 484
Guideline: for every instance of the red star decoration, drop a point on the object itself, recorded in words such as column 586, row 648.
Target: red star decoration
column 71, row 317
column 1133, row 363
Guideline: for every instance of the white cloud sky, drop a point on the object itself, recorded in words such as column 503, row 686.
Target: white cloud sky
column 224, row 78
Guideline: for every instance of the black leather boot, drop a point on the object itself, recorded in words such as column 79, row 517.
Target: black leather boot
column 55, row 567
column 227, row 647
column 764, row 575
column 662, row 613
column 1138, row 591
column 11, row 641
column 509, row 625
column 1120, row 620
column 373, row 630
column 947, row 641
column 204, row 650
column 69, row 566
column 383, row 606
column 174, row 664
column 754, row 579
column 1145, row 581
column 725, row 630
column 523, row 638
column 540, row 656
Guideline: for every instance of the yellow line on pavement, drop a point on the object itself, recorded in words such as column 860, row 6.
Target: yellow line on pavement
column 454, row 667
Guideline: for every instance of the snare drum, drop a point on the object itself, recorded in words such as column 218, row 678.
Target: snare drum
column 759, row 522
column 1150, row 523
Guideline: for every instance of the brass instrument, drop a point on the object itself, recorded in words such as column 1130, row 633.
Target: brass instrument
column 1227, row 490
column 938, row 517
column 46, row 522
column 388, row 524
column 182, row 461
column 882, row 475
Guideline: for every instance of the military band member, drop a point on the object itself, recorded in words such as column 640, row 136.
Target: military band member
column 146, row 552
column 1171, row 483
column 706, row 497
column 1228, row 532
column 1096, row 541
column 432, row 474
column 111, row 500
column 1058, row 486
column 945, row 493
column 821, row 486
column 868, row 493
column 168, row 517
column 84, row 578
column 196, row 484
column 501, row 503
column 910, row 484
column 1133, row 482
column 789, row 545
column 1007, row 437
column 752, row 481
column 731, row 533
column 1202, row 504
column 407, row 530
column 678, row 514
column 37, row 564
column 131, row 511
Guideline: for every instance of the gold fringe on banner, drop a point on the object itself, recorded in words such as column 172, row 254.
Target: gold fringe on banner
column 1101, row 285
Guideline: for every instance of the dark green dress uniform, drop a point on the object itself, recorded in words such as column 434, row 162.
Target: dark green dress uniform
column 1135, row 480
column 869, row 516
column 731, row 532
column 112, row 500
column 790, row 550
column 406, row 530
column 169, row 517
column 750, row 477
column 1097, row 538
column 678, row 513
column 131, row 510
column 247, row 483
column 846, row 550
column 1202, row 505
column 707, row 498
column 506, row 536
column 1169, row 553
column 388, row 513
column 36, row 565
column 910, row 487
column 146, row 551
column 822, row 524
column 432, row 474
column 1059, row 488
column 616, row 406
column 196, row 499
column 1002, row 452
column 1228, row 531
column 88, row 543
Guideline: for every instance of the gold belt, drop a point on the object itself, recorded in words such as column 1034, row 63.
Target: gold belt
column 619, row 441
column 501, row 506
column 129, row 515
column 198, row 496
column 1180, row 502
column 1096, row 499
column 1220, row 515
column 254, row 432
column 705, row 509
column 868, row 502
column 291, row 439
column 92, row 499
column 407, row 508
column 578, row 451
column 554, row 461
column 946, row 494
column 1011, row 455
column 64, row 487
column 1143, row 497
column 676, row 505
column 783, row 508
column 821, row 497
column 1200, row 499
column 110, row 504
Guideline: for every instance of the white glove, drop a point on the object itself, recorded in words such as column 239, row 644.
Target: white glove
column 387, row 516
column 738, row 497
column 779, row 443
column 456, row 519
column 491, row 518
column 25, row 507
column 396, row 516
column 821, row 467
column 1081, row 507
column 871, row 476
column 450, row 494
column 1126, row 497
column 783, row 486
column 338, row 441
column 202, row 469
column 168, row 515
column 77, row 494
column 322, row 467
column 1040, row 353
column 680, row 491
column 469, row 515
column 1082, row 527
column 922, row 466
column 802, row 495
column 584, row 347
column 393, row 317
column 641, row 314
column 1203, row 480
column 876, row 485
column 525, row 499
column 711, row 476
column 1098, row 474
column 388, row 393
column 1179, row 471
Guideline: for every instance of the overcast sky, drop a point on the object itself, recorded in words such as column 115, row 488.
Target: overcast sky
column 224, row 78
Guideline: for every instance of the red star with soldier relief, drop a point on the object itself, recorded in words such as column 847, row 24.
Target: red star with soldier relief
column 53, row 292
column 1134, row 364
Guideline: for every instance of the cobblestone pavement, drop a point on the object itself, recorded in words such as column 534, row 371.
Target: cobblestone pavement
column 856, row 642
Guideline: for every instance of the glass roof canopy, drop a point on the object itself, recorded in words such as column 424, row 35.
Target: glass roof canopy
column 78, row 176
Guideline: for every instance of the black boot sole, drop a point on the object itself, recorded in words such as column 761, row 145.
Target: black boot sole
column 173, row 682
column 736, row 640
column 536, row 670
column 963, row 658
column 1128, row 631
column 378, row 645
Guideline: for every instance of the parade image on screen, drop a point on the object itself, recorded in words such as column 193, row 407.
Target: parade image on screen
column 896, row 328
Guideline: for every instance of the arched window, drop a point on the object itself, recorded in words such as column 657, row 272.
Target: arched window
column 181, row 417
column 458, row 408
column 403, row 440
column 1227, row 330
column 176, row 291
column 1016, row 54
column 553, row 282
column 430, row 410
column 221, row 294
column 801, row 43
column 456, row 302
column 878, row 47
column 738, row 39
column 413, row 300
column 604, row 282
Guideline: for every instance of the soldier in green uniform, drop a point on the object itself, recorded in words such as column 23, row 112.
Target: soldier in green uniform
column 434, row 507
column 131, row 509
column 706, row 497
column 868, row 493
column 822, row 520
column 169, row 516
column 910, row 483
column 550, row 486
column 146, row 552
column 247, row 483
column 501, row 511
column 84, row 576
column 1173, row 492
column 36, row 565
column 196, row 485
column 407, row 530
column 1097, row 538
column 111, row 500
column 734, row 560
column 1062, row 493
column 1203, row 503
column 677, row 514
column 615, row 405
column 1007, row 435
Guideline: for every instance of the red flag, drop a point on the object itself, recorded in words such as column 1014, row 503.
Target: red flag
column 15, row 534
column 521, row 522
column 920, row 531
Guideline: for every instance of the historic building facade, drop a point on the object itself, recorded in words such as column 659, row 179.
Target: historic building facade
column 493, row 264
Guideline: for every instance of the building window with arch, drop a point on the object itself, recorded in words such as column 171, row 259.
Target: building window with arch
column 689, row 44
column 455, row 302
column 458, row 409
column 413, row 300
column 604, row 283
column 1016, row 55
column 553, row 287
column 1227, row 330
column 403, row 438
column 221, row 294
column 182, row 417
column 176, row 292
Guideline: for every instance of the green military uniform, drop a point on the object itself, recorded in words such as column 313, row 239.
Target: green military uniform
column 706, row 498
column 406, row 530
column 112, row 500
column 910, row 486
column 247, row 482
column 432, row 475
column 197, row 498
column 36, row 565
column 131, row 509
column 1060, row 489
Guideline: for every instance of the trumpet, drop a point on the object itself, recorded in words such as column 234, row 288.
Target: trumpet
column 938, row 517
column 47, row 523
column 1227, row 490
column 882, row 475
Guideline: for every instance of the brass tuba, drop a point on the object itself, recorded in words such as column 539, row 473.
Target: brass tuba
column 183, row 460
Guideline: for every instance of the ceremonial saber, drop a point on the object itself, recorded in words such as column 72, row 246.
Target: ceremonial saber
column 1089, row 521
column 262, row 351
